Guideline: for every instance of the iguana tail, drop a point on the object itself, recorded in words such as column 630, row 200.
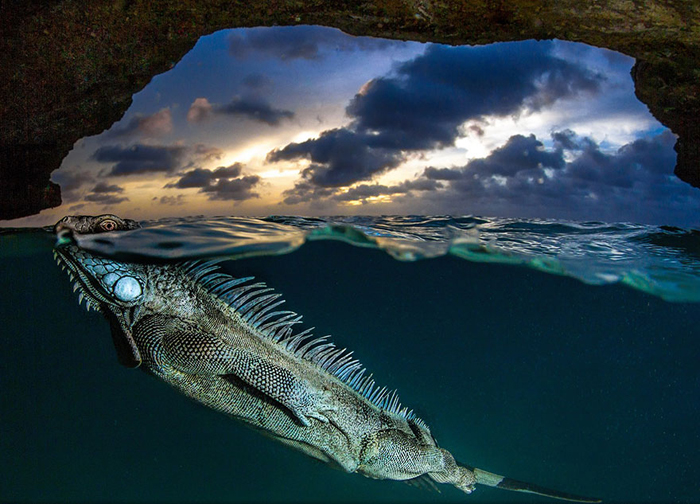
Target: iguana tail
column 497, row 481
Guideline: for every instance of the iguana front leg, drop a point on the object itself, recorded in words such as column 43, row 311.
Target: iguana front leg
column 281, row 385
column 192, row 350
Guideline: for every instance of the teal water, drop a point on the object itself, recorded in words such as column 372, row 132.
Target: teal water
column 586, row 380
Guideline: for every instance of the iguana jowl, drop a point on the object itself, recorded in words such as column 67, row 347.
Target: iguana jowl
column 223, row 342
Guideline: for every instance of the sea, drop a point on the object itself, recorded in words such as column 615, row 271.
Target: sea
column 566, row 354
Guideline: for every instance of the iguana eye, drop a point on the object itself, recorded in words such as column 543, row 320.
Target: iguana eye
column 127, row 288
column 108, row 225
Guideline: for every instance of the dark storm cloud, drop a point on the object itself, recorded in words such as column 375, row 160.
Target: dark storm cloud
column 254, row 108
column 71, row 183
column 425, row 102
column 565, row 139
column 520, row 154
column 139, row 158
column 228, row 171
column 522, row 178
column 223, row 183
column 432, row 95
column 637, row 165
column 442, row 173
column 298, row 42
column 306, row 192
column 103, row 187
column 106, row 194
column 200, row 177
column 364, row 191
column 237, row 189
column 521, row 170
column 339, row 157
column 634, row 183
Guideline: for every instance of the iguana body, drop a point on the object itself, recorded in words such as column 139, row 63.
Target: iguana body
column 221, row 341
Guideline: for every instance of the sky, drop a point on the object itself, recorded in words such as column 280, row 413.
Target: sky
column 310, row 121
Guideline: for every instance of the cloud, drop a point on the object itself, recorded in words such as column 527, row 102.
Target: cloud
column 298, row 42
column 103, row 187
column 575, row 179
column 106, row 194
column 339, row 157
column 565, row 139
column 425, row 102
column 171, row 200
column 254, row 108
column 364, row 191
column 251, row 107
column 634, row 183
column 71, row 183
column 305, row 192
column 200, row 177
column 199, row 110
column 140, row 158
column 519, row 154
column 207, row 152
column 155, row 125
column 237, row 189
column 223, row 183
column 423, row 105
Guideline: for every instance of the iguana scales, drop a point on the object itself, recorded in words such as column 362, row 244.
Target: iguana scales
column 224, row 342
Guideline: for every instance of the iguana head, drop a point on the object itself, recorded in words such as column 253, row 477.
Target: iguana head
column 89, row 224
column 116, row 289
column 105, row 283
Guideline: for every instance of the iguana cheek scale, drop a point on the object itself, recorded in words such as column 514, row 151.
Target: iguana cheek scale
column 224, row 342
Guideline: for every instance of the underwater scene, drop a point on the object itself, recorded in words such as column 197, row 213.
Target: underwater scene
column 558, row 353
column 301, row 258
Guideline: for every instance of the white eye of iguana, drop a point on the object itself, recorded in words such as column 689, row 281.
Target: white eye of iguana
column 127, row 289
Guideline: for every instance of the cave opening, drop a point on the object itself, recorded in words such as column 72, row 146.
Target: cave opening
column 312, row 121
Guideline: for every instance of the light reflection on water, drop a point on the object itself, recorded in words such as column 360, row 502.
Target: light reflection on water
column 662, row 261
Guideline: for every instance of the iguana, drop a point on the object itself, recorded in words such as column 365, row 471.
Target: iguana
column 224, row 342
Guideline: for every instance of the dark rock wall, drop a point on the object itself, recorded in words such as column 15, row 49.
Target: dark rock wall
column 68, row 69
